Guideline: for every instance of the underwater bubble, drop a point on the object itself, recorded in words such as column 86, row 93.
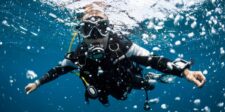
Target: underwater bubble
column 4, row 22
column 221, row 104
column 11, row 81
column 213, row 1
column 181, row 55
column 164, row 92
column 156, row 49
column 219, row 10
column 150, row 25
column 172, row 35
column 164, row 106
column 1, row 43
column 191, row 34
column 213, row 30
column 28, row 47
column 60, row 108
column 210, row 22
column 161, row 23
column 24, row 29
column 172, row 51
column 205, row 72
column 168, row 78
column 123, row 8
column 152, row 81
column 222, row 52
column 195, row 109
column 206, row 109
column 23, row 32
column 177, row 19
column 158, row 27
column 192, row 18
column 203, row 29
column 177, row 43
column 214, row 20
column 208, row 13
column 197, row 101
column 177, row 98
column 171, row 16
column 10, row 98
column 194, row 87
column 38, row 51
column 145, row 36
column 154, row 100
column 31, row 74
column 135, row 106
column 42, row 47
column 202, row 33
column 52, row 15
column 145, row 41
column 153, row 36
column 35, row 34
column 193, row 25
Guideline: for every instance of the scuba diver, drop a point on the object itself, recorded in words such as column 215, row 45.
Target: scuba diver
column 110, row 64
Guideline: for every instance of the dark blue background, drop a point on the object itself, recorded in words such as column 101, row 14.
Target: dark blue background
column 66, row 93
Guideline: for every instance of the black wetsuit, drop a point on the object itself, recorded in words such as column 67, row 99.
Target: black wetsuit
column 120, row 70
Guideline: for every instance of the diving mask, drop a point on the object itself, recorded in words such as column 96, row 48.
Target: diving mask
column 95, row 25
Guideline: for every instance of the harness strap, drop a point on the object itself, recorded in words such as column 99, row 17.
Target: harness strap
column 85, row 81
column 72, row 40
column 69, row 50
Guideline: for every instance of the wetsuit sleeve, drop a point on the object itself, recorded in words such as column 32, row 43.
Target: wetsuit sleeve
column 55, row 73
column 162, row 64
column 66, row 66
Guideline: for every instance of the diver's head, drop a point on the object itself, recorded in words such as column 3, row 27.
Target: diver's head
column 93, row 28
column 94, row 25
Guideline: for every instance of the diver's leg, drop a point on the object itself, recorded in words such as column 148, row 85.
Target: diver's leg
column 143, row 83
column 87, row 96
column 104, row 100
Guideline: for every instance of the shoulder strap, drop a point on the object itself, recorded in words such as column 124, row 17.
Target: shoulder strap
column 72, row 40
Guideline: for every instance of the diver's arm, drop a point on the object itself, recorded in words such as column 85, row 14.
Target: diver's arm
column 57, row 71
column 165, row 65
column 178, row 67
column 195, row 76
column 65, row 67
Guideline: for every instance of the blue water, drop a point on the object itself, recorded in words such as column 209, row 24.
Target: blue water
column 22, row 50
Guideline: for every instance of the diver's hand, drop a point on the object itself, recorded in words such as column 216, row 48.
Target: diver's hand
column 195, row 76
column 30, row 87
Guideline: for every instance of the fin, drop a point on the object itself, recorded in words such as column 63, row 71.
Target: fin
column 147, row 106
column 104, row 100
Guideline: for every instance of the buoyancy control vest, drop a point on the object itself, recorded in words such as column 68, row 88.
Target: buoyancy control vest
column 106, row 76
